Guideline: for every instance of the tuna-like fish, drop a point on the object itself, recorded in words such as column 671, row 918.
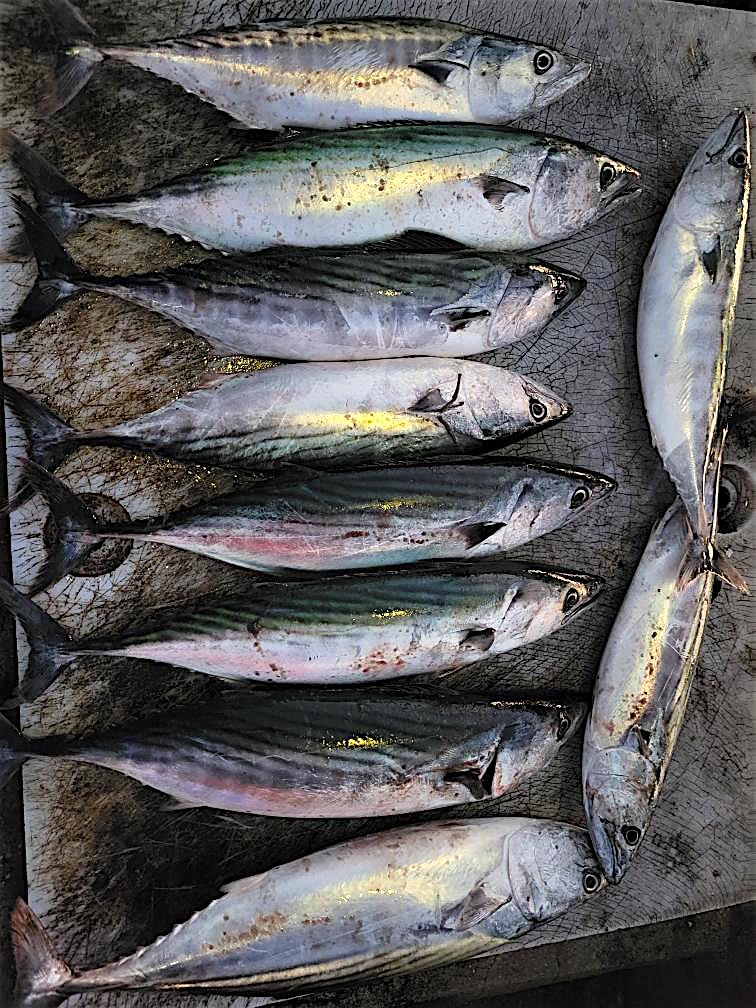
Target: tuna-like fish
column 485, row 188
column 685, row 316
column 641, row 691
column 354, row 628
column 332, row 74
column 325, row 415
column 325, row 307
column 314, row 754
column 348, row 520
column 372, row 907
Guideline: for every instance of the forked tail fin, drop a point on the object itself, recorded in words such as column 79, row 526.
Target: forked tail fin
column 76, row 528
column 80, row 60
column 51, row 648
column 40, row 971
column 49, row 439
column 58, row 202
column 57, row 273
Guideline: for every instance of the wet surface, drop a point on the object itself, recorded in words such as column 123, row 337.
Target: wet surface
column 109, row 869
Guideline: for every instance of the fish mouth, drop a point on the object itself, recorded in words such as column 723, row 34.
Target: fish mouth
column 733, row 127
column 594, row 586
column 575, row 286
column 549, row 92
column 626, row 187
column 601, row 486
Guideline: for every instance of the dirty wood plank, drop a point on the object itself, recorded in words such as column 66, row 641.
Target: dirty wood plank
column 107, row 868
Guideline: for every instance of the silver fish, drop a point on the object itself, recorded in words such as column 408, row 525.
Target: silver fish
column 325, row 307
column 685, row 316
column 325, row 415
column 485, row 188
column 642, row 689
column 354, row 628
column 375, row 906
column 349, row 520
column 314, row 754
column 332, row 74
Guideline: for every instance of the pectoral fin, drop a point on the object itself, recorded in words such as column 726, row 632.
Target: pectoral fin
column 478, row 640
column 459, row 316
column 434, row 402
column 711, row 258
column 496, row 189
column 479, row 532
column 437, row 69
column 473, row 909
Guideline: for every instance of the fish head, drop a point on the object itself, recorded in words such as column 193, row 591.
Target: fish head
column 509, row 78
column 716, row 180
column 579, row 592
column 619, row 787
column 530, row 741
column 500, row 404
column 574, row 186
column 551, row 868
column 532, row 297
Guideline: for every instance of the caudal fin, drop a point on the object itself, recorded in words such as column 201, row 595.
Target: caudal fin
column 57, row 273
column 50, row 439
column 58, row 202
column 79, row 61
column 51, row 648
column 75, row 527
column 40, row 971
column 13, row 753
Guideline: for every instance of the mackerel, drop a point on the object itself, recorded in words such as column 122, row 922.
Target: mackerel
column 372, row 907
column 333, row 74
column 324, row 307
column 310, row 521
column 315, row 754
column 358, row 628
column 484, row 188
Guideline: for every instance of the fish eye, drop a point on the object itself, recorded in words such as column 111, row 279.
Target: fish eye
column 591, row 881
column 537, row 410
column 564, row 726
column 579, row 497
column 543, row 62
column 739, row 159
column 607, row 176
column 560, row 290
column 632, row 835
column 571, row 599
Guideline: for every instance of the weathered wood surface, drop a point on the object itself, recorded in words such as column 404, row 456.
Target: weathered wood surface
column 108, row 869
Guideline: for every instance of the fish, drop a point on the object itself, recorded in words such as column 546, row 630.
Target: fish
column 686, row 310
column 642, row 689
column 348, row 628
column 323, row 415
column 316, row 754
column 324, row 307
column 479, row 186
column 357, row 519
column 273, row 75
column 374, row 906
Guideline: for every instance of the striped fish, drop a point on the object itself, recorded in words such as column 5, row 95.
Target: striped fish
column 313, row 754
column 332, row 74
column 349, row 629
column 349, row 520
column 484, row 188
column 323, row 415
column 325, row 307
column 376, row 906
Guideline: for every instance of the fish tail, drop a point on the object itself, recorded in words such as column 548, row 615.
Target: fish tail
column 51, row 649
column 40, row 972
column 58, row 275
column 13, row 752
column 50, row 439
column 58, row 202
column 76, row 528
column 79, row 61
